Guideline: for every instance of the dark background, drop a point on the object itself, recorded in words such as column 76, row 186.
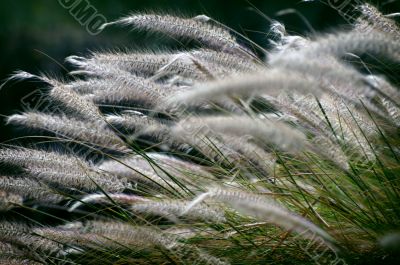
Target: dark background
column 36, row 35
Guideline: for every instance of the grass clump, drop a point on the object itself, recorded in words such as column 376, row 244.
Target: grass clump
column 211, row 155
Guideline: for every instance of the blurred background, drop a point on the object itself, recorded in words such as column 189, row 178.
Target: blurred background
column 36, row 36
